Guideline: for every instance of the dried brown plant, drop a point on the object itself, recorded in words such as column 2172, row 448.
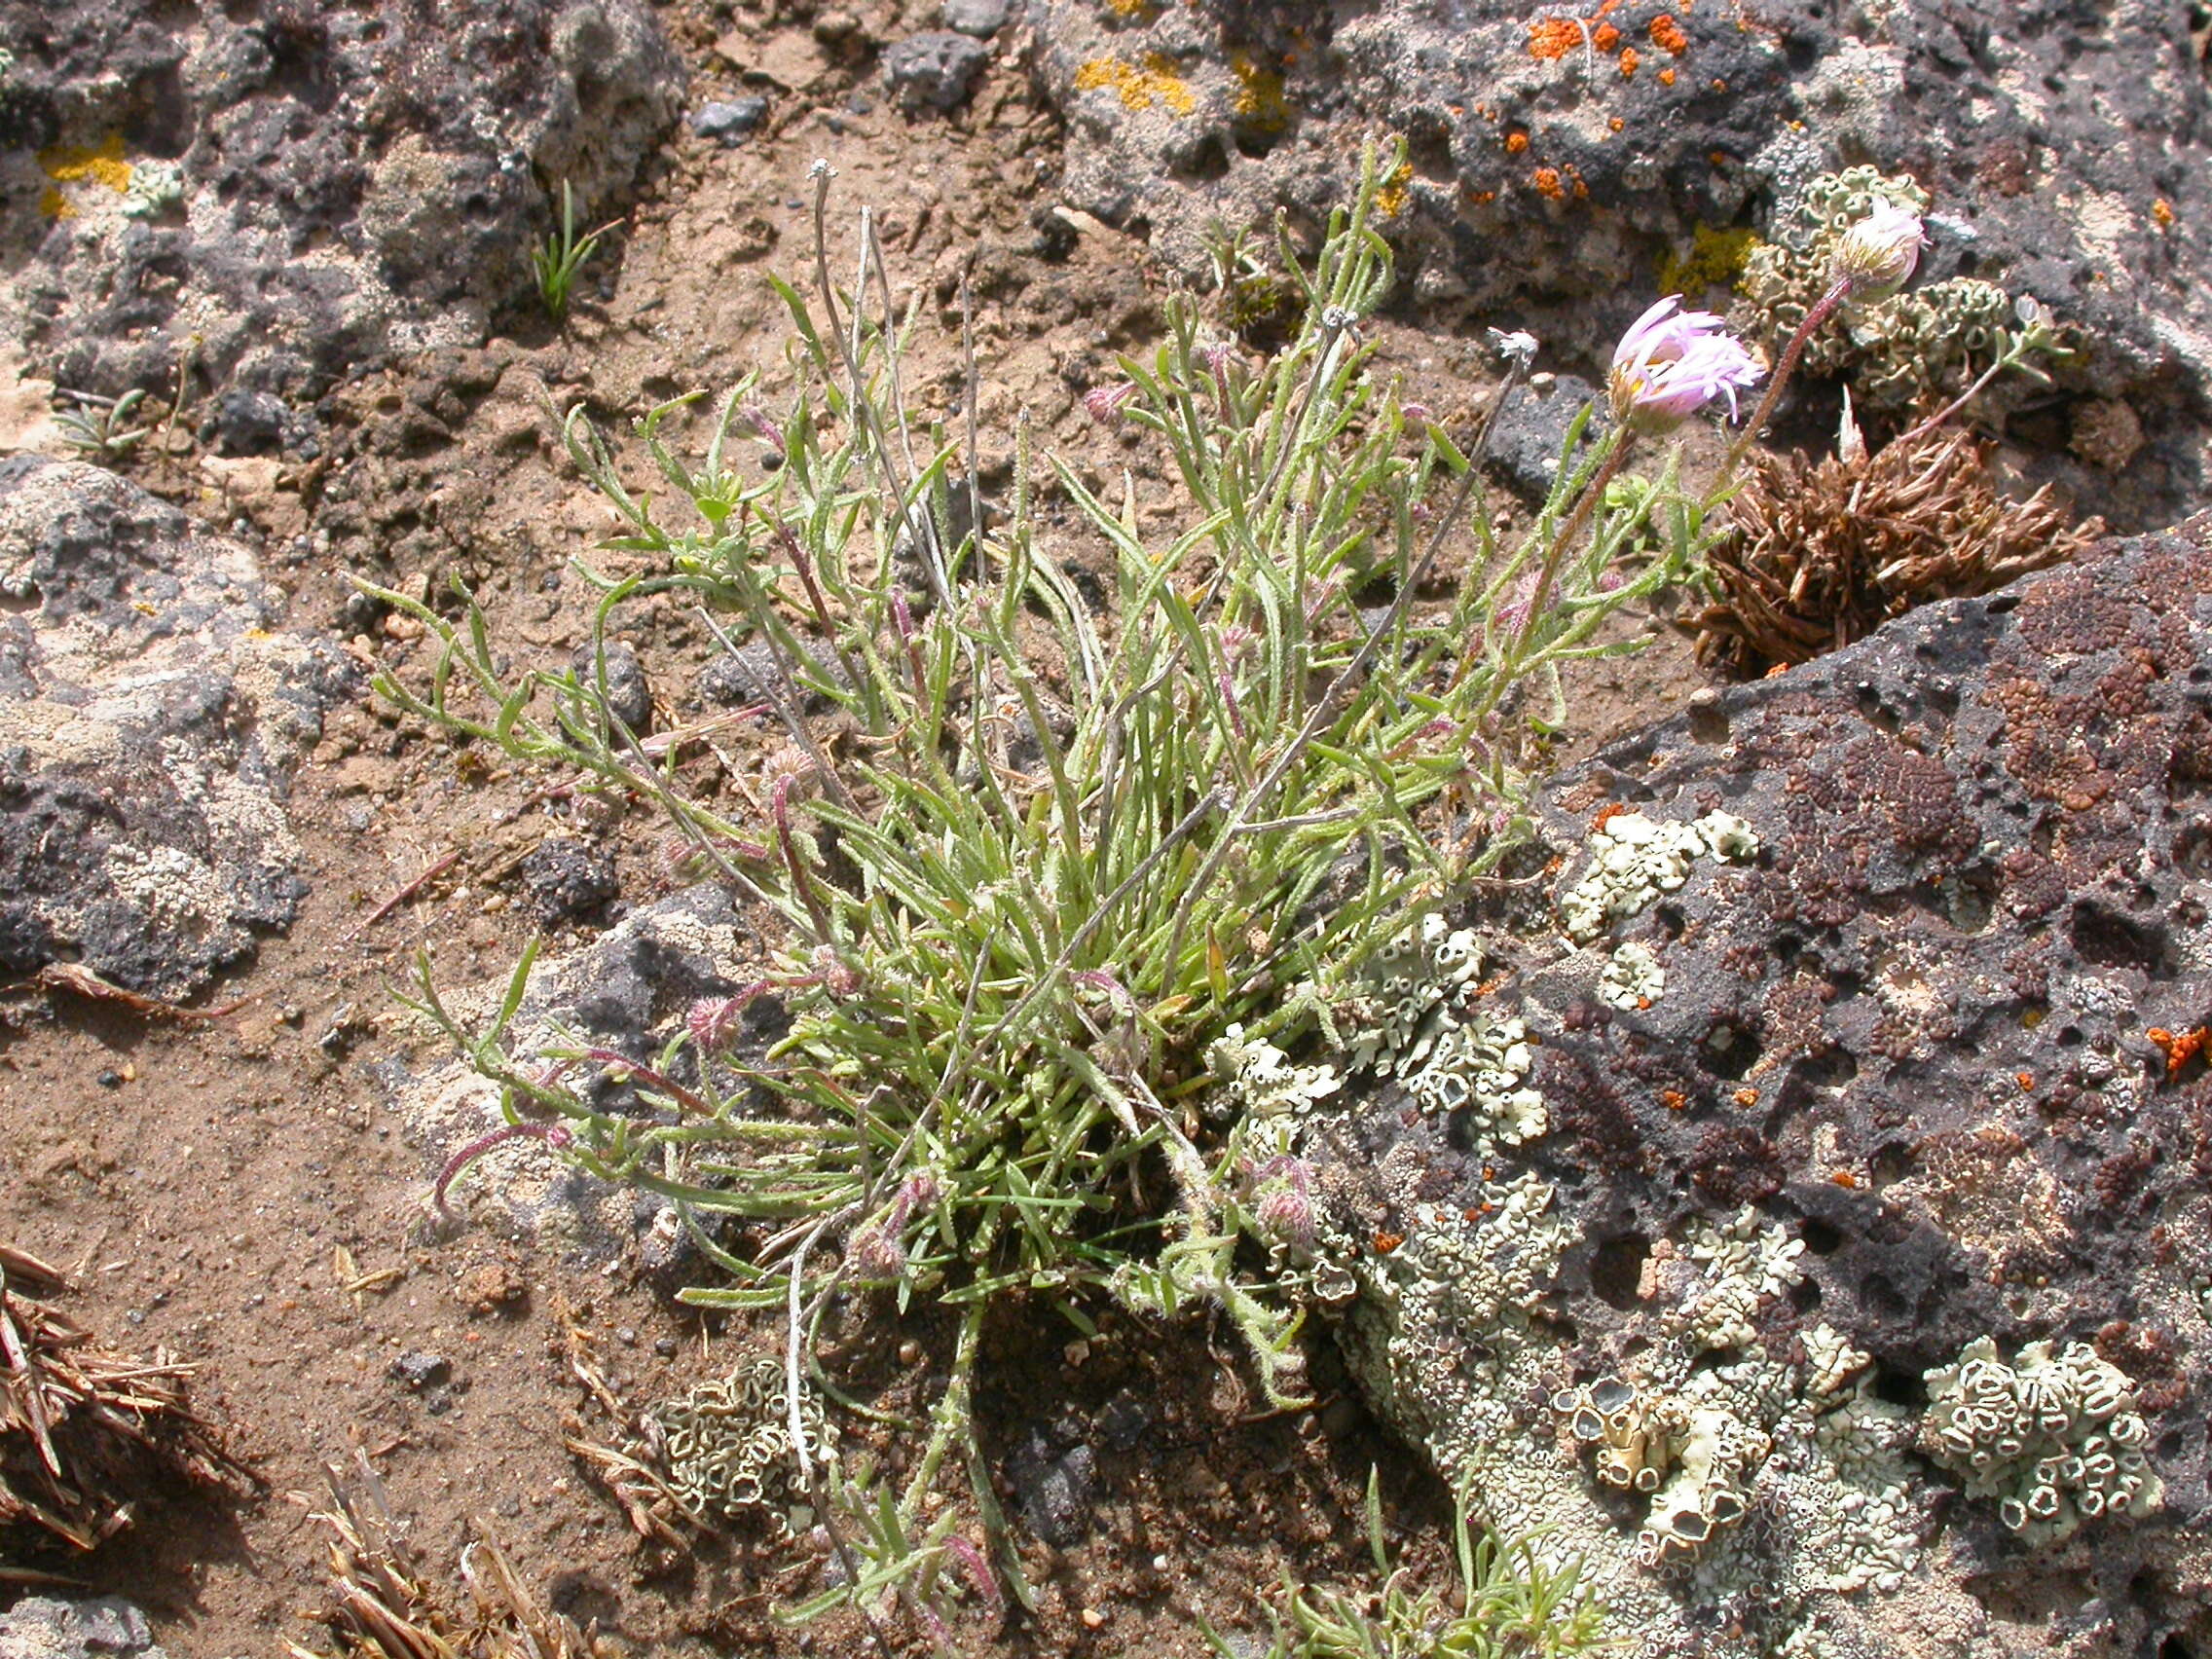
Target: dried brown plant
column 382, row 1606
column 84, row 1429
column 1827, row 551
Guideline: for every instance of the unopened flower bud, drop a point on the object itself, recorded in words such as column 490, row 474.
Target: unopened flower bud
column 1877, row 256
column 875, row 1254
column 1286, row 1217
column 713, row 1023
column 1104, row 403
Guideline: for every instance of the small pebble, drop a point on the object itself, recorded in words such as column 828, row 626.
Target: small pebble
column 729, row 120
column 627, row 1337
column 909, row 1352
column 109, row 1079
column 1092, row 1619
column 665, row 1347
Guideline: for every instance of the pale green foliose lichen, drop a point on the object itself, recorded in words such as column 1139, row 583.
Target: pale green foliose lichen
column 155, row 188
column 1635, row 858
column 1898, row 350
column 1633, row 978
column 726, row 1444
column 2054, row 1437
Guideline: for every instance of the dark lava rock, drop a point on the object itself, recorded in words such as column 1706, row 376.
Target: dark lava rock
column 1123, row 1421
column 629, row 700
column 1056, row 1481
column 982, row 19
column 1555, row 169
column 149, row 721
column 731, row 121
column 1531, row 433
column 1923, row 1073
column 422, row 1370
column 628, row 990
column 933, row 69
column 568, row 880
column 249, row 422
column 101, row 1627
column 309, row 186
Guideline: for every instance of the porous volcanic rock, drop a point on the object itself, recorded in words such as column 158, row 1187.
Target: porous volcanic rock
column 295, row 189
column 102, row 1626
column 150, row 720
column 626, row 993
column 1817, row 1118
column 1562, row 171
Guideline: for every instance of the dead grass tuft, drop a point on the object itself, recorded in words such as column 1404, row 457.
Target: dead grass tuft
column 85, row 1431
column 1827, row 551
column 382, row 1607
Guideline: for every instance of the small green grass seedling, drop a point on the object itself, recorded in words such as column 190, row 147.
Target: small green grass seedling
column 563, row 256
column 1511, row 1604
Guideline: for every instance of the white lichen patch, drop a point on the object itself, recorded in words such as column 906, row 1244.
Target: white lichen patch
column 1635, row 858
column 1632, row 978
column 1411, row 1014
column 2054, row 1437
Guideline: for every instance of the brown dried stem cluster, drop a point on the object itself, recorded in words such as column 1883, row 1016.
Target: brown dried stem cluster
column 84, row 1429
column 381, row 1607
column 1827, row 551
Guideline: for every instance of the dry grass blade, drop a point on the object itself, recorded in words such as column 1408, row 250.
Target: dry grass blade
column 1827, row 551
column 381, row 1607
column 84, row 1429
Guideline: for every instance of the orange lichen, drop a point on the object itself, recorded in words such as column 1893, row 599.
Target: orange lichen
column 1385, row 1243
column 1140, row 88
column 1547, row 184
column 2162, row 211
column 1554, row 37
column 1605, row 37
column 1516, row 141
column 1611, row 810
column 1667, row 76
column 1747, row 1097
column 2179, row 1048
column 1615, row 123
column 1845, row 1179
column 1628, row 61
column 1667, row 34
column 1486, row 195
column 1673, row 1099
column 2026, row 1081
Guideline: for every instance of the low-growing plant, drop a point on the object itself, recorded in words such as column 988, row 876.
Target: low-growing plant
column 1055, row 851
column 1510, row 1605
column 563, row 256
column 100, row 427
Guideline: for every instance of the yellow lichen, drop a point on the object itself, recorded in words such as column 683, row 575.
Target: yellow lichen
column 1136, row 11
column 1391, row 198
column 1140, row 88
column 75, row 163
column 1714, row 257
column 1259, row 102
